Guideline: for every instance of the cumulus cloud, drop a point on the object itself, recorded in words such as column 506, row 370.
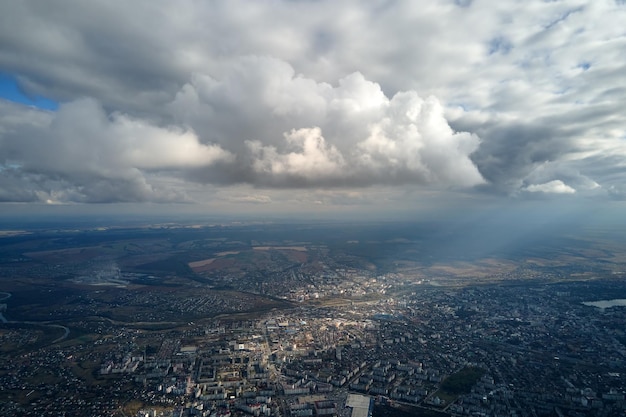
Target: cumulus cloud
column 261, row 124
column 82, row 154
column 313, row 160
column 296, row 131
column 414, row 139
column 301, row 94
column 82, row 137
column 554, row 186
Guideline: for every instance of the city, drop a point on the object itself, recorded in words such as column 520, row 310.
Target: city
column 308, row 331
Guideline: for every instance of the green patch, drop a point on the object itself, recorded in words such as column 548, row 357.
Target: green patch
column 133, row 407
column 446, row 397
column 170, row 265
column 42, row 377
column 405, row 411
column 459, row 383
column 86, row 371
column 19, row 338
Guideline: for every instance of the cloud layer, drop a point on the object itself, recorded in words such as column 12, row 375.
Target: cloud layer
column 519, row 99
column 261, row 124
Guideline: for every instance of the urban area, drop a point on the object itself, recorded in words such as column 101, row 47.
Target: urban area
column 343, row 342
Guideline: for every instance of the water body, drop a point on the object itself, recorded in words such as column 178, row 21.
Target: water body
column 620, row 302
column 66, row 330
column 3, row 307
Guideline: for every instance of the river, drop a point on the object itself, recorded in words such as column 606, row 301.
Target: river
column 6, row 296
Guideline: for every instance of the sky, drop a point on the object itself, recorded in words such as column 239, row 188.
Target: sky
column 313, row 106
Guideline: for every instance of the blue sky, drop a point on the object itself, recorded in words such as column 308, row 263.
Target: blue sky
column 11, row 91
column 313, row 106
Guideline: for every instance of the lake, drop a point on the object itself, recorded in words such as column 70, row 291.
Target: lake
column 620, row 302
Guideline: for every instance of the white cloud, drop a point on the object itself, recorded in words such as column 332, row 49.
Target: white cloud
column 300, row 132
column 251, row 198
column 414, row 136
column 82, row 154
column 554, row 186
column 368, row 93
column 312, row 158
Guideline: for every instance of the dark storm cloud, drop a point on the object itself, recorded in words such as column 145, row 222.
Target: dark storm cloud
column 513, row 151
